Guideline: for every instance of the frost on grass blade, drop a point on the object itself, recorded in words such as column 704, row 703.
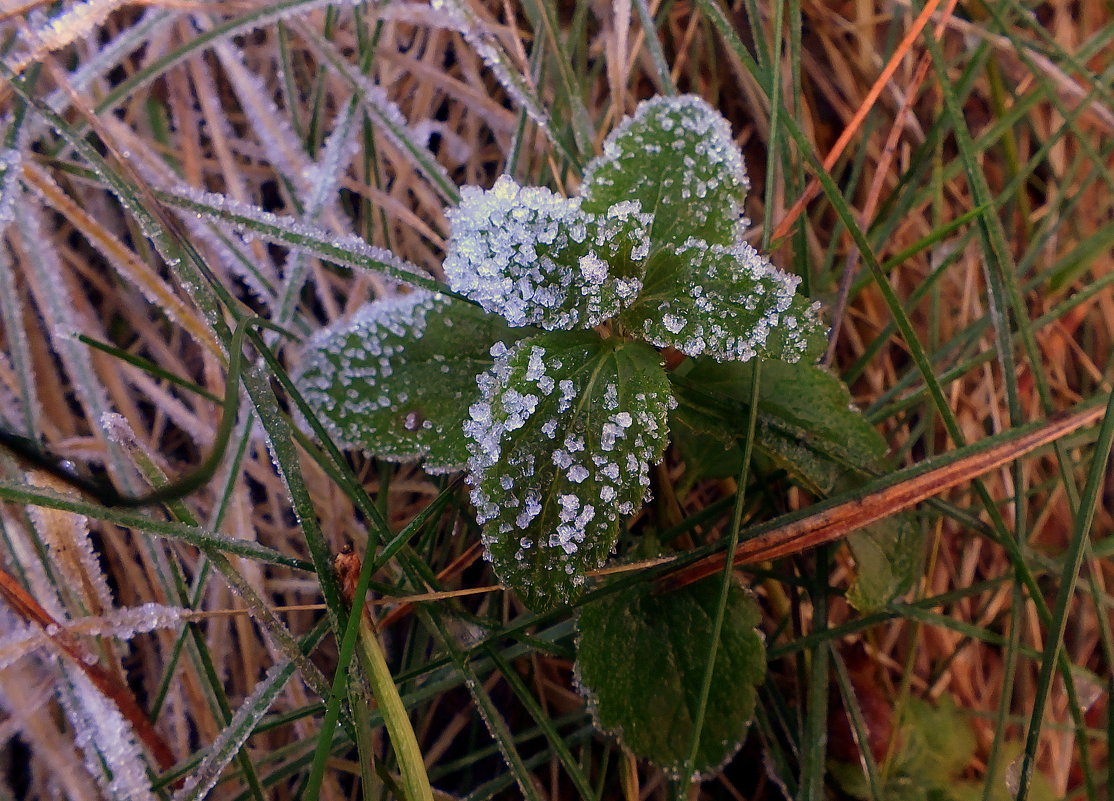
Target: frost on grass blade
column 537, row 259
column 641, row 659
column 562, row 440
column 108, row 741
column 397, row 379
column 729, row 303
column 676, row 156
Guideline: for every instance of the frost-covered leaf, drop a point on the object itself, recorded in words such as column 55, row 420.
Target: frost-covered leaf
column 397, row 378
column 729, row 303
column 562, row 439
column 807, row 426
column 641, row 659
column 675, row 155
column 536, row 258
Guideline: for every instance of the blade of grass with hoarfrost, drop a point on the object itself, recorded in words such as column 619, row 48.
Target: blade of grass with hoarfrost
column 232, row 738
column 273, row 130
column 387, row 116
column 108, row 57
column 126, row 263
column 20, row 493
column 229, row 249
column 456, row 14
column 44, row 274
column 11, row 317
column 323, row 178
column 112, row 755
column 346, row 250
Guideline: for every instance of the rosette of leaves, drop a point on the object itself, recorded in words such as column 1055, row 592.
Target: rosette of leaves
column 550, row 389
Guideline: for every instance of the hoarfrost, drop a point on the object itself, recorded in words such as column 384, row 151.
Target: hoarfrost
column 235, row 734
column 346, row 249
column 536, row 258
column 100, row 729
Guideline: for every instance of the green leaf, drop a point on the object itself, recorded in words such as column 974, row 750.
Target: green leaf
column 562, row 439
column 677, row 157
column 807, row 426
column 936, row 747
column 536, row 258
column 397, row 378
column 807, row 423
column 729, row 303
column 887, row 560
column 640, row 659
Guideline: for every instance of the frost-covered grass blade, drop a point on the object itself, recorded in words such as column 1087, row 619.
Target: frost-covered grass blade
column 563, row 438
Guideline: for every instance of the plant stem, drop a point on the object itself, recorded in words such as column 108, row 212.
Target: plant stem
column 415, row 781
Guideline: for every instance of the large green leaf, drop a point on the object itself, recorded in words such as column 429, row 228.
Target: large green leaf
column 641, row 659
column 677, row 157
column 807, row 422
column 807, row 426
column 729, row 303
column 563, row 438
column 536, row 258
column 397, row 378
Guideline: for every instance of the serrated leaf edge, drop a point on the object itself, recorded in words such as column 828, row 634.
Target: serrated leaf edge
column 591, row 701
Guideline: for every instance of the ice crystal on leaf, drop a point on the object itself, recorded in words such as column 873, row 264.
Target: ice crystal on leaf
column 553, row 473
column 397, row 379
column 536, row 258
column 560, row 429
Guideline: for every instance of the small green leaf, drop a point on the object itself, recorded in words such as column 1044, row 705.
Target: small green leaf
column 807, row 426
column 935, row 748
column 888, row 556
column 641, row 661
column 397, row 378
column 677, row 157
column 729, row 303
column 562, row 442
column 536, row 258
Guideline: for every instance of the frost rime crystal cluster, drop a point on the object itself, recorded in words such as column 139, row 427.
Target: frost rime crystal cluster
column 535, row 258
column 561, row 426
column 563, row 437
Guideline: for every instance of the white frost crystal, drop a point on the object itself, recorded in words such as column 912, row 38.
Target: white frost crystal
column 536, row 258
column 729, row 303
column 541, row 456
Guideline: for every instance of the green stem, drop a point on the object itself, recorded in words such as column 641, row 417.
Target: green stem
column 415, row 781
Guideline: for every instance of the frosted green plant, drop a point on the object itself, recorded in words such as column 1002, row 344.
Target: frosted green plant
column 551, row 392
